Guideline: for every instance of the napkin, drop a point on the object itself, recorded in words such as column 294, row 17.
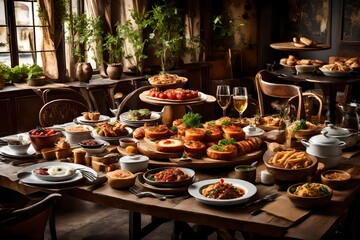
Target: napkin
column 284, row 208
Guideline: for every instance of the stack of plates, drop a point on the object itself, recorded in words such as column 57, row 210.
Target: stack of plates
column 154, row 118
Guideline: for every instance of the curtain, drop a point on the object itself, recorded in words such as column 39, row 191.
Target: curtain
column 192, row 31
column 52, row 36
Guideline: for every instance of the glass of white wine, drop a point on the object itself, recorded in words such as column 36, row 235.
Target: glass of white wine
column 240, row 99
column 223, row 97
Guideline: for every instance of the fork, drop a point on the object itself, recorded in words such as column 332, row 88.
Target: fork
column 267, row 198
column 91, row 177
column 137, row 192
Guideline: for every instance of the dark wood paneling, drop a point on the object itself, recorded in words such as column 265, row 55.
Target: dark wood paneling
column 27, row 109
column 6, row 118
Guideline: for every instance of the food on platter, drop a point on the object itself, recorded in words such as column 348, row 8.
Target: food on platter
column 232, row 131
column 111, row 129
column 336, row 67
column 195, row 134
column 290, row 159
column 222, row 190
column 174, row 94
column 120, row 178
column 139, row 114
column 78, row 128
column 169, row 145
column 273, row 120
column 213, row 134
column 300, row 125
column 169, row 175
column 94, row 116
column 223, row 121
column 156, row 132
column 222, row 152
column 352, row 62
column 54, row 173
column 139, row 133
column 303, row 42
column 194, row 148
column 166, row 79
column 311, row 190
column 292, row 61
column 248, row 145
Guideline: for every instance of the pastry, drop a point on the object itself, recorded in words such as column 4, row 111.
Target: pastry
column 234, row 132
column 156, row 132
column 195, row 134
column 248, row 145
column 225, row 152
column 194, row 149
column 213, row 134
column 169, row 145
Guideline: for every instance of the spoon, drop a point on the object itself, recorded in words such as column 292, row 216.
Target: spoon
column 24, row 174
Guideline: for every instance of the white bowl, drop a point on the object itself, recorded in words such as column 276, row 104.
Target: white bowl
column 100, row 149
column 76, row 133
column 19, row 149
column 134, row 163
column 305, row 68
column 330, row 162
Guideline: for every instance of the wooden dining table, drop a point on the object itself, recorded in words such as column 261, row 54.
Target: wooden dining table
column 328, row 84
column 317, row 224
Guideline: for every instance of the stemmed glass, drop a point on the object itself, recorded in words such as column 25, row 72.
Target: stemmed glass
column 240, row 99
column 223, row 97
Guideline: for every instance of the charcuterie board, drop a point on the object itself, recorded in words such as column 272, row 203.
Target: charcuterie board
column 161, row 159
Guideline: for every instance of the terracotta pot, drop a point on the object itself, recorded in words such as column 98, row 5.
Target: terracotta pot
column 2, row 84
column 114, row 71
column 83, row 72
column 40, row 81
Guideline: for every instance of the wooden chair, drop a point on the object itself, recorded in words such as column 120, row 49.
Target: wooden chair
column 282, row 91
column 311, row 107
column 132, row 101
column 60, row 111
column 30, row 221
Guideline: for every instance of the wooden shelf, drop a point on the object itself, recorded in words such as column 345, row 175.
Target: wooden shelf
column 288, row 46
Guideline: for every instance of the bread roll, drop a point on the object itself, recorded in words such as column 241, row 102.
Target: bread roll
column 194, row 149
column 195, row 134
column 213, row 134
column 299, row 44
column 169, row 145
column 233, row 131
column 139, row 133
column 218, row 152
column 306, row 41
column 156, row 132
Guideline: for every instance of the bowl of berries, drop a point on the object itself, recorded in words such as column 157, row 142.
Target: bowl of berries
column 44, row 138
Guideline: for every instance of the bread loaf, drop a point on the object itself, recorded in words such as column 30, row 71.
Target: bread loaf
column 248, row 145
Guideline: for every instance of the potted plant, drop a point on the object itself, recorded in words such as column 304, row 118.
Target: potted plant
column 35, row 76
column 4, row 71
column 79, row 38
column 167, row 25
column 114, row 44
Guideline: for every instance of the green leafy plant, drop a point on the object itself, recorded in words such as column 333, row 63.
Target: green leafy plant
column 114, row 44
column 35, row 71
column 225, row 28
column 166, row 23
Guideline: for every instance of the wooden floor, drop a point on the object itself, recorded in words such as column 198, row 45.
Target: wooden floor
column 81, row 220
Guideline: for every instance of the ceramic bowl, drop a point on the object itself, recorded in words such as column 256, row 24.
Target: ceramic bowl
column 134, row 163
column 40, row 142
column 91, row 143
column 125, row 142
column 289, row 175
column 305, row 68
column 101, row 146
column 121, row 178
column 19, row 147
column 336, row 179
column 245, row 172
column 77, row 133
column 309, row 202
column 149, row 177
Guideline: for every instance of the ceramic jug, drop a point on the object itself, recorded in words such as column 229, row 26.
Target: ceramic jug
column 350, row 116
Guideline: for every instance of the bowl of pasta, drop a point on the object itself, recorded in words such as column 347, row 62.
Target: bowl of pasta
column 290, row 165
column 309, row 195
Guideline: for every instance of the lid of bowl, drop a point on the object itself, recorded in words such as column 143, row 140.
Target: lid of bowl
column 332, row 130
column 324, row 139
column 253, row 131
column 134, row 158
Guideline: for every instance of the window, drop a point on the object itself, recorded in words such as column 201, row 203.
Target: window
column 24, row 39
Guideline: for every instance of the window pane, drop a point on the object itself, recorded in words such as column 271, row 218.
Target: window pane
column 39, row 58
column 39, row 39
column 23, row 13
column 5, row 58
column 25, row 38
column 4, row 39
column 2, row 13
column 26, row 58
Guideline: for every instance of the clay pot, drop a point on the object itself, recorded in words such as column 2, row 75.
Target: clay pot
column 83, row 72
column 114, row 71
column 40, row 81
column 2, row 84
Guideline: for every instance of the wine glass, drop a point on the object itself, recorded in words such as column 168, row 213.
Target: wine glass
column 240, row 99
column 223, row 97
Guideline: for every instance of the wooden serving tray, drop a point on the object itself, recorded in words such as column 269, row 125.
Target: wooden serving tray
column 161, row 159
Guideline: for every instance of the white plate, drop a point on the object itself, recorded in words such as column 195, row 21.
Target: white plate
column 336, row 73
column 112, row 140
column 7, row 152
column 250, row 190
column 102, row 118
column 32, row 179
column 153, row 118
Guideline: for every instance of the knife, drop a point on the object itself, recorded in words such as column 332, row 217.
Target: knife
column 270, row 197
